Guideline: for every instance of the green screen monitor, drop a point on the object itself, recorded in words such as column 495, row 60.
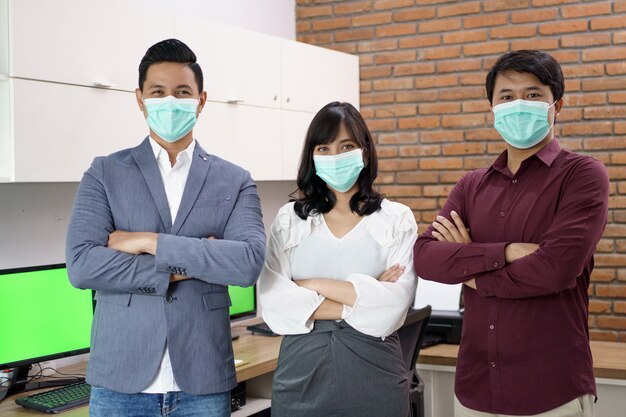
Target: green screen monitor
column 243, row 302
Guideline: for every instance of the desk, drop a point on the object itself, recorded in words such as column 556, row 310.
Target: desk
column 436, row 366
column 260, row 352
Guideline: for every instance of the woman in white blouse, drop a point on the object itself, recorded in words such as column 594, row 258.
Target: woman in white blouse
column 338, row 281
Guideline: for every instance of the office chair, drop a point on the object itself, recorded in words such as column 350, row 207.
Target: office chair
column 411, row 335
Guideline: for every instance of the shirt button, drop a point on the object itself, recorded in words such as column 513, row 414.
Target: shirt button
column 493, row 364
column 169, row 299
column 491, row 327
column 465, row 272
column 502, row 214
column 495, row 264
column 514, row 181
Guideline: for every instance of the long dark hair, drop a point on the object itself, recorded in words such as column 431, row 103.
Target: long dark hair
column 314, row 196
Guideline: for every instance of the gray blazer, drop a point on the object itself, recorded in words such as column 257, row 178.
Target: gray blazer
column 137, row 308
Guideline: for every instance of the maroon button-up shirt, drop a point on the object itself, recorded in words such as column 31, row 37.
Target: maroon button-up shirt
column 525, row 341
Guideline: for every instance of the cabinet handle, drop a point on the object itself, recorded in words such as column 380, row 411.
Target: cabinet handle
column 234, row 101
column 275, row 98
column 288, row 99
column 98, row 84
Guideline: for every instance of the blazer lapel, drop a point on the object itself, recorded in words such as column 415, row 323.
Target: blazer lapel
column 144, row 157
column 195, row 181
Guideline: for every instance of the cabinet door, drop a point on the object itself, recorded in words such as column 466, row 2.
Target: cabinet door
column 295, row 125
column 59, row 129
column 244, row 135
column 313, row 77
column 238, row 65
column 83, row 42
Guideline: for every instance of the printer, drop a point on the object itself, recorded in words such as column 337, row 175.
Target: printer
column 446, row 320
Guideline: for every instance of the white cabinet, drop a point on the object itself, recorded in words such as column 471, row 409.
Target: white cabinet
column 59, row 129
column 294, row 128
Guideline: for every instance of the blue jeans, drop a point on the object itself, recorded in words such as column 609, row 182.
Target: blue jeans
column 107, row 403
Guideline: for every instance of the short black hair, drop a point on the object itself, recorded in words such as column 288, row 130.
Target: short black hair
column 170, row 50
column 542, row 65
column 315, row 196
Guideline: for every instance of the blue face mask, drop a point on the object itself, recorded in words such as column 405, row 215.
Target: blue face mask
column 522, row 123
column 171, row 118
column 341, row 171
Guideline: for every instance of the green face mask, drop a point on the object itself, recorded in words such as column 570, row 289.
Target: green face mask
column 522, row 123
column 171, row 118
column 341, row 171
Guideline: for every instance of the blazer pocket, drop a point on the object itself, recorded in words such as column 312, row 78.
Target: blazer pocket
column 216, row 300
column 121, row 299
column 211, row 202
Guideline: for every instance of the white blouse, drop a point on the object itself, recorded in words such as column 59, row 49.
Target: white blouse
column 300, row 249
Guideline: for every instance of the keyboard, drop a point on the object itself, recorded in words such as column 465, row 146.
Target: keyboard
column 262, row 329
column 58, row 399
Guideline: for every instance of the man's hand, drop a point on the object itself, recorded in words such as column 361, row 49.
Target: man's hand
column 515, row 251
column 471, row 283
column 392, row 274
column 446, row 231
column 176, row 278
column 133, row 243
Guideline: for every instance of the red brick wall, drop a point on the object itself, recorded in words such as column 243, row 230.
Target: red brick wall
column 423, row 67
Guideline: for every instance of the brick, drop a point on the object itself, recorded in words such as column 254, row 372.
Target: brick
column 569, row 26
column 584, row 70
column 611, row 322
column 419, row 203
column 525, row 16
column 414, row 69
column 423, row 122
column 416, row 96
column 619, row 37
column 365, row 60
column 621, row 275
column 617, row 68
column 513, row 32
column 607, row 246
column 619, row 6
column 459, row 9
column 566, row 56
column 304, row 12
column 376, row 72
column 604, row 23
column 394, row 84
column 465, row 36
column 401, row 190
column 483, row 134
column 496, row 148
column 575, row 145
column 396, row 30
column 365, row 86
column 420, row 150
column 585, row 99
column 316, row 38
column 385, row 178
column 615, row 260
column 472, row 79
column 620, row 159
column 398, row 110
column 477, row 162
column 303, row 26
column 417, row 13
column 329, row 24
column 458, row 66
column 439, row 108
column 592, row 39
column 620, row 127
column 543, row 44
column 486, row 48
column 393, row 57
column 586, row 128
column 475, row 106
column 620, row 307
column 440, row 25
column 605, row 83
column 571, row 12
column 371, row 19
column 603, row 275
column 485, row 20
column 436, row 81
column 437, row 190
column 444, row 136
column 461, row 93
column 418, row 178
column 420, row 41
column 615, row 173
column 467, row 148
column 387, row 151
column 352, row 7
column 397, row 138
column 496, row 5
column 601, row 54
column 539, row 3
column 450, row 177
column 571, row 113
column 380, row 45
column 392, row 4
column 441, row 53
column 367, row 113
column 377, row 98
column 603, row 335
column 570, row 85
column 464, row 120
column 441, row 163
column 378, row 125
column 617, row 202
column 617, row 98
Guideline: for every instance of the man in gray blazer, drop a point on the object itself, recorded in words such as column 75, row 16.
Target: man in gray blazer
column 160, row 231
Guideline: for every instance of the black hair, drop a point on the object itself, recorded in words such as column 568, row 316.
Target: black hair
column 170, row 50
column 540, row 64
column 314, row 196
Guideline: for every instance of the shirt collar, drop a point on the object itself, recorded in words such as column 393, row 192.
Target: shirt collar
column 547, row 155
column 158, row 150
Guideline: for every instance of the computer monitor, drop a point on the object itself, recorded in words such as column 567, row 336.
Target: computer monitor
column 42, row 317
column 243, row 301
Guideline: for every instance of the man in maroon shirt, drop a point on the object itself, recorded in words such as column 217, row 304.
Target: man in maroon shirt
column 521, row 235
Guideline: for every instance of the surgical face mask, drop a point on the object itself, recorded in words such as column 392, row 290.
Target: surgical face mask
column 171, row 118
column 522, row 123
column 341, row 171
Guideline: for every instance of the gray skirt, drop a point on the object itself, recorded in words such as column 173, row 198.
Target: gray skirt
column 337, row 371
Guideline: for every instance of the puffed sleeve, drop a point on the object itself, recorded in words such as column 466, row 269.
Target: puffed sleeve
column 381, row 307
column 286, row 307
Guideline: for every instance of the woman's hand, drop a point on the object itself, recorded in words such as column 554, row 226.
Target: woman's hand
column 392, row 274
column 446, row 231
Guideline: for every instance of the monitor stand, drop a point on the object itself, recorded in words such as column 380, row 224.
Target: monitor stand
column 20, row 382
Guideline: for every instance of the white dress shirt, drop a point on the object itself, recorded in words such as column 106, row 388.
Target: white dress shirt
column 174, row 180
column 300, row 249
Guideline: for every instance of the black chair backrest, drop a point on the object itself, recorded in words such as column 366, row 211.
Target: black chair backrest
column 412, row 333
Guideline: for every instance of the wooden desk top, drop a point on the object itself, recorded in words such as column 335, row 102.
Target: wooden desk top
column 609, row 358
